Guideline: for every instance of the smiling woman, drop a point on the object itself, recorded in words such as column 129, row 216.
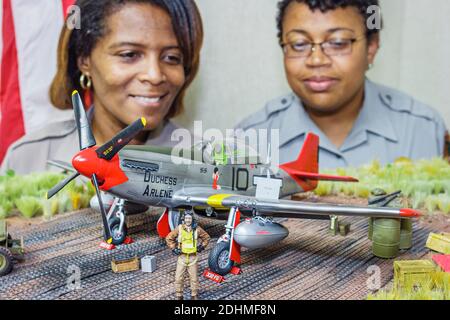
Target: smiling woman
column 131, row 59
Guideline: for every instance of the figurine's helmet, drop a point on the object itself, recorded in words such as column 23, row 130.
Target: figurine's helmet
column 190, row 213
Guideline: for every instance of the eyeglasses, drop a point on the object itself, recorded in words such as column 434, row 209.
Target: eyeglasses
column 331, row 48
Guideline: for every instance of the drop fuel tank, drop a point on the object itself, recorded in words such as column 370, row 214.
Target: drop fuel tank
column 255, row 233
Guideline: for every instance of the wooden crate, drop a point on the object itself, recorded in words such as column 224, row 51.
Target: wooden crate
column 334, row 225
column 414, row 272
column 344, row 228
column 119, row 266
column 439, row 243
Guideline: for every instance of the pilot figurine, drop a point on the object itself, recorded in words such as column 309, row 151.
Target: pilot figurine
column 327, row 54
column 186, row 241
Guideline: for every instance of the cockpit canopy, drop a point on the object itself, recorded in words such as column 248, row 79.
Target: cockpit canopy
column 228, row 151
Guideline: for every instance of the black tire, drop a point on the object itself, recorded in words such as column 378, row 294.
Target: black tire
column 6, row 262
column 216, row 259
column 114, row 225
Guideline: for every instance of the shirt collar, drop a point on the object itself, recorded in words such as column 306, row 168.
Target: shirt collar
column 372, row 118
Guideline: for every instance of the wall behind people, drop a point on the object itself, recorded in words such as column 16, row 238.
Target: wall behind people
column 242, row 63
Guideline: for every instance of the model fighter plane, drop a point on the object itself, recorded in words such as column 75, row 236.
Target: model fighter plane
column 149, row 176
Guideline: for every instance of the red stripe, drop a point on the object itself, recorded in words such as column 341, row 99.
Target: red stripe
column 12, row 124
column 65, row 5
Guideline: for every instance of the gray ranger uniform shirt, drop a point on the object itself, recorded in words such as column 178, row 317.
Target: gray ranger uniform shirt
column 390, row 125
column 59, row 141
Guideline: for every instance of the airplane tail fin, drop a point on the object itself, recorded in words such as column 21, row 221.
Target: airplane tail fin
column 305, row 170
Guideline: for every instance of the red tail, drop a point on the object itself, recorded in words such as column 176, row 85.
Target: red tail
column 305, row 170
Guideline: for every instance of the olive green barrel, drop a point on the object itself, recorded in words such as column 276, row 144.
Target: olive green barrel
column 370, row 228
column 406, row 234
column 386, row 237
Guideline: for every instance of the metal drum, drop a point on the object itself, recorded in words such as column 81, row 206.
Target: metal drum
column 406, row 234
column 370, row 228
column 386, row 237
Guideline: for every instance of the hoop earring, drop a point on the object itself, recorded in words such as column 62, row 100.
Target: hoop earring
column 86, row 84
column 83, row 79
column 370, row 66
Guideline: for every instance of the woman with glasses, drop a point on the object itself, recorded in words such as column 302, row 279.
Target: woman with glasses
column 131, row 59
column 328, row 47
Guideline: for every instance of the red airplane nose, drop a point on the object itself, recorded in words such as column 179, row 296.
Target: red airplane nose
column 86, row 162
column 109, row 173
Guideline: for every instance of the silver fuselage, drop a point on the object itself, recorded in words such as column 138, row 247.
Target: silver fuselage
column 154, row 178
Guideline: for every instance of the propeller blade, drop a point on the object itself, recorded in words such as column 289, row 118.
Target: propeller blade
column 108, row 237
column 111, row 148
column 85, row 136
column 61, row 185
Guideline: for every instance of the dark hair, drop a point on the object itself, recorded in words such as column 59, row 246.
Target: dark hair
column 187, row 26
column 327, row 5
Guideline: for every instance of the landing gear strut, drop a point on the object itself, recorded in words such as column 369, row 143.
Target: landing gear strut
column 226, row 252
column 116, row 222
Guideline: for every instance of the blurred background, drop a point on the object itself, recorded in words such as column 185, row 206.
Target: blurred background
column 241, row 67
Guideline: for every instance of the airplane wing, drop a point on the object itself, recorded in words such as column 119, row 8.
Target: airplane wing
column 283, row 208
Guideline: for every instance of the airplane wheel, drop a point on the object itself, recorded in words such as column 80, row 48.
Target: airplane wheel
column 118, row 236
column 218, row 259
column 6, row 262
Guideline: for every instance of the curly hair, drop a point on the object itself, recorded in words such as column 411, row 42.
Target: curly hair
column 327, row 5
column 187, row 25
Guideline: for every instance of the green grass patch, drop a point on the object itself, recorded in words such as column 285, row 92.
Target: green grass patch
column 27, row 194
column 425, row 183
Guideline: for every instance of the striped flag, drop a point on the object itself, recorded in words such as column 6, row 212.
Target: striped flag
column 29, row 33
